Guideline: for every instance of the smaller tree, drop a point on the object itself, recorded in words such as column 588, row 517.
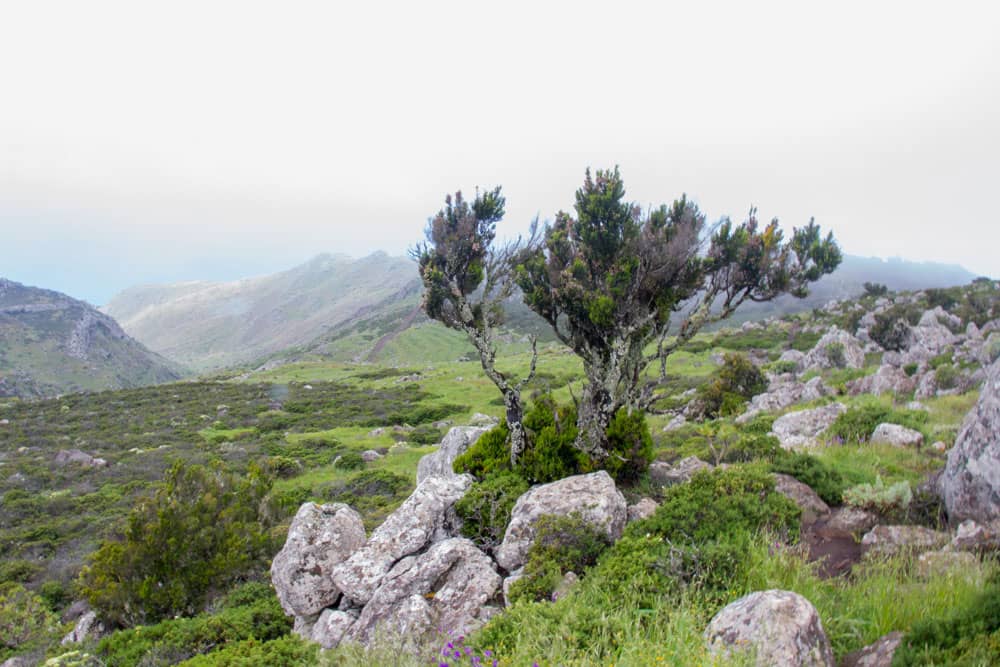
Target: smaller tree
column 875, row 289
column 467, row 278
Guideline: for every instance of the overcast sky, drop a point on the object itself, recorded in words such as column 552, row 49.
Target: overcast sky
column 144, row 141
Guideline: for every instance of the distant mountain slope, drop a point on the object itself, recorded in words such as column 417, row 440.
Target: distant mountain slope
column 208, row 325
column 52, row 344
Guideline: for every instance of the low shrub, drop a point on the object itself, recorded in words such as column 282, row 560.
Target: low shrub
column 858, row 423
column 489, row 454
column 880, row 498
column 485, row 508
column 287, row 651
column 349, row 461
column 947, row 376
column 911, row 369
column 630, row 446
column 562, row 544
column 736, row 382
column 821, row 477
column 25, row 620
column 426, row 434
column 551, row 454
column 892, row 327
column 782, row 367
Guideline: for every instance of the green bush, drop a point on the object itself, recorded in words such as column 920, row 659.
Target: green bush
column 736, row 382
column 349, row 461
column 551, row 454
column 947, row 376
column 488, row 455
column 858, row 423
column 562, row 544
column 811, row 471
column 880, row 498
column 892, row 327
column 485, row 507
column 969, row 636
column 630, row 446
column 911, row 369
column 781, row 367
column 288, row 651
column 426, row 434
column 835, row 355
column 200, row 532
column 25, row 620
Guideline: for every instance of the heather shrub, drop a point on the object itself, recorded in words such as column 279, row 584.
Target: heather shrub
column 489, row 454
column 630, row 446
column 349, row 461
column 823, row 478
column 486, row 506
column 880, row 498
column 858, row 423
column 736, row 382
column 25, row 620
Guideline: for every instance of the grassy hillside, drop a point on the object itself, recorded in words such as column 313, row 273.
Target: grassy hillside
column 52, row 344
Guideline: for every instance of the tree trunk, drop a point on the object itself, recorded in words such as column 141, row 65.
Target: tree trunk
column 595, row 413
column 515, row 425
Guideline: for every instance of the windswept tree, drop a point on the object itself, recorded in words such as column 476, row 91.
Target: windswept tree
column 467, row 277
column 611, row 280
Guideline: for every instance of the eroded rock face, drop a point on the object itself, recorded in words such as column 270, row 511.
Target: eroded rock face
column 87, row 628
column 781, row 395
column 332, row 627
column 877, row 654
column 421, row 519
column 812, row 506
column 665, row 474
column 642, row 509
column 891, row 540
column 781, row 627
column 319, row 538
column 970, row 483
column 836, row 349
column 593, row 496
column 454, row 444
column 886, row 380
column 444, row 587
column 852, row 520
column 800, row 429
column 897, row 436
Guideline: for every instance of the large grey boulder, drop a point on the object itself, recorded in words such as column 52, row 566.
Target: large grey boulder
column 444, row 587
column 970, row 483
column 65, row 457
column 800, row 429
column 812, row 506
column 662, row 473
column 423, row 518
column 836, row 349
column 594, row 497
column 780, row 627
column 892, row 540
column 783, row 394
column 896, row 435
column 331, row 628
column 454, row 444
column 877, row 654
column 887, row 379
column 319, row 538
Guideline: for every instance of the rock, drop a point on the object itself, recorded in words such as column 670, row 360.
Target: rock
column 569, row 580
column 916, row 406
column 444, row 587
column 664, row 474
column 376, row 432
column 781, row 627
column 891, row 540
column 422, row 518
column 812, row 506
column 76, row 457
column 836, row 349
column 319, row 538
column 939, row 316
column 877, row 654
column 928, row 339
column 939, row 447
column 485, row 421
column 932, row 564
column 642, row 509
column 897, row 436
column 782, row 395
column 508, row 582
column 23, row 661
column 793, row 356
column 852, row 520
column 593, row 496
column 927, row 387
column 331, row 627
column 454, row 444
column 675, row 423
column 370, row 455
column 973, row 536
column 886, row 380
column 87, row 628
column 970, row 483
column 801, row 429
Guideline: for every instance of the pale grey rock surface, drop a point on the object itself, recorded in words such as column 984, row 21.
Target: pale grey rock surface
column 331, row 628
column 896, row 435
column 886, row 380
column 877, row 654
column 850, row 352
column 970, row 483
column 781, row 627
column 642, row 509
column 319, row 538
column 662, row 473
column 801, row 429
column 850, row 519
column 87, row 628
column 891, row 540
column 594, row 496
column 812, row 506
column 781, row 395
column 453, row 445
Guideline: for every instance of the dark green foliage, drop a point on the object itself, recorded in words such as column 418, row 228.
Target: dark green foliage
column 781, row 367
column 911, row 369
column 814, row 473
column 562, row 544
column 373, row 493
column 485, row 508
column 551, row 454
column 755, row 339
column 737, row 381
column 201, row 531
column 751, row 447
column 425, row 434
column 875, row 289
column 246, row 614
column 858, row 423
column 759, row 425
column 349, row 461
column 287, row 651
column 630, row 446
column 892, row 327
column 969, row 636
column 947, row 376
column 946, row 298
column 804, row 341
column 489, row 454
column 25, row 620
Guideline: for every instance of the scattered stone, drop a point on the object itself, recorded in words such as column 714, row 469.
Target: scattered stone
column 454, row 444
column 376, row 432
column 87, row 628
column 891, row 540
column 675, row 423
column 4, row 422
column 76, row 457
column 939, row 447
column 970, row 483
column 897, row 436
column 801, row 429
column 508, row 582
column 916, row 406
column 426, row 516
column 780, row 627
column 593, row 496
column 370, row 455
column 836, row 349
column 877, row 654
column 927, row 387
column 319, row 538
column 852, row 520
column 886, row 380
column 932, row 564
column 642, row 509
column 664, row 474
column 479, row 419
column 973, row 536
column 812, row 506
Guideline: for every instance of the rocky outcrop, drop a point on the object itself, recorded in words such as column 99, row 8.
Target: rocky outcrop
column 798, row 430
column 973, row 536
column 886, row 380
column 643, row 509
column 836, row 349
column 319, row 538
column 594, row 497
column 665, row 474
column 892, row 540
column 781, row 395
column 812, row 506
column 852, row 520
column 65, row 457
column 331, row 628
column 780, row 627
column 444, row 587
column 877, row 654
column 454, row 444
column 897, row 436
column 970, row 483
column 87, row 628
